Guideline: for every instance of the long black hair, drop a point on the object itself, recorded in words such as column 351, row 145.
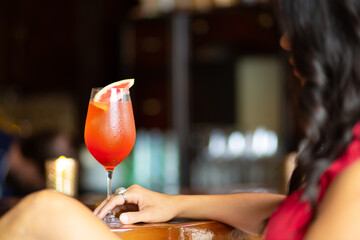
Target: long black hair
column 325, row 40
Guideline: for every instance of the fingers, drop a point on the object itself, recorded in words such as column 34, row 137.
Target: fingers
column 127, row 207
column 132, row 196
column 133, row 217
column 98, row 208
column 108, row 205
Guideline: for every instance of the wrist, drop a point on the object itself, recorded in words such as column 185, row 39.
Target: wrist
column 178, row 202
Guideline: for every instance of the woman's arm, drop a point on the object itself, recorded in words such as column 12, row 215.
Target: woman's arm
column 50, row 215
column 338, row 216
column 245, row 211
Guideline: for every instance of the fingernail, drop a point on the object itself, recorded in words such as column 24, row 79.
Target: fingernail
column 124, row 218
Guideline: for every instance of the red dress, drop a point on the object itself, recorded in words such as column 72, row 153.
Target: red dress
column 291, row 219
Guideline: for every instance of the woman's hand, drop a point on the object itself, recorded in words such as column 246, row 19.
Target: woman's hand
column 153, row 206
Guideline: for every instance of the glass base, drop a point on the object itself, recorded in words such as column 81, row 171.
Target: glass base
column 111, row 221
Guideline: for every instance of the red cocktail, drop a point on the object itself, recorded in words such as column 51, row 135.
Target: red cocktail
column 110, row 132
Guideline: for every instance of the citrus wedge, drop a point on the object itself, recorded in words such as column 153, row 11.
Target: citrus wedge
column 102, row 105
column 106, row 91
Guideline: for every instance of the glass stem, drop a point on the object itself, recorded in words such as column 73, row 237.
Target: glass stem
column 109, row 177
column 110, row 219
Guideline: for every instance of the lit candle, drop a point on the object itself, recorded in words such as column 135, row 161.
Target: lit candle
column 61, row 175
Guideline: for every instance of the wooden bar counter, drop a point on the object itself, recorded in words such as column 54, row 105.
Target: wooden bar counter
column 182, row 229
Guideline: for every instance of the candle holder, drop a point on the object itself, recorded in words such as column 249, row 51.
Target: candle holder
column 61, row 175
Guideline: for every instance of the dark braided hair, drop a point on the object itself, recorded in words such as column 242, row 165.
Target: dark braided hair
column 325, row 40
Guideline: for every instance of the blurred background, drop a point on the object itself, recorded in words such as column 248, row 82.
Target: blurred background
column 212, row 94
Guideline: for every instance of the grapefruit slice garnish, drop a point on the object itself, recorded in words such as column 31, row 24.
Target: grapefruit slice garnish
column 105, row 93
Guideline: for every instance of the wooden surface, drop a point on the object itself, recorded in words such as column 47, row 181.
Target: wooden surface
column 182, row 229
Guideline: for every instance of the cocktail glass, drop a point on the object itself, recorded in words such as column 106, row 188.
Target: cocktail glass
column 110, row 133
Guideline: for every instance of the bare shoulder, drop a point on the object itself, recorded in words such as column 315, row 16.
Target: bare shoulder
column 347, row 182
column 338, row 215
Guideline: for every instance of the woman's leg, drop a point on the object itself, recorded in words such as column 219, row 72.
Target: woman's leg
column 51, row 215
